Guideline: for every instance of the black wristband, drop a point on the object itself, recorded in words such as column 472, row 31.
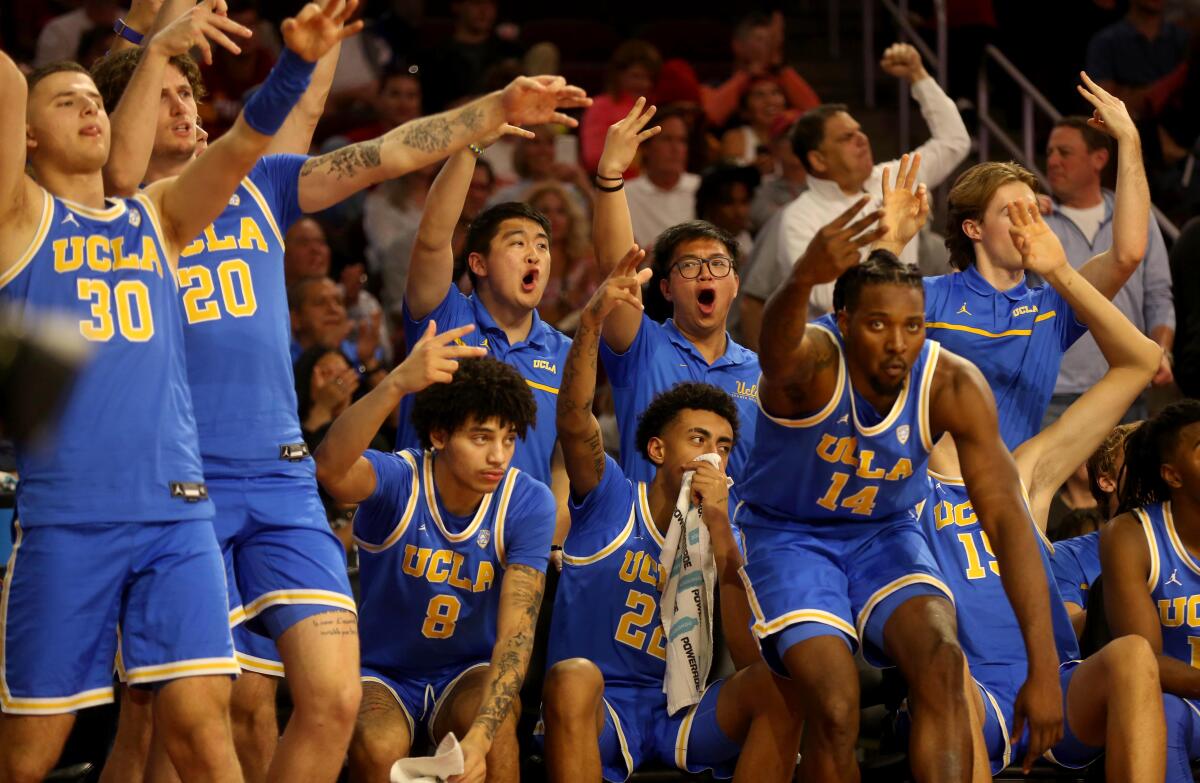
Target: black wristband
column 555, row 548
column 613, row 189
column 610, row 179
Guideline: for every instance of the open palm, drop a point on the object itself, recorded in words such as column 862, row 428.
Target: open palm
column 533, row 100
column 314, row 31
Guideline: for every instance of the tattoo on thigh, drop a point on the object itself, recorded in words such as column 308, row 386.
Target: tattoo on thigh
column 336, row 624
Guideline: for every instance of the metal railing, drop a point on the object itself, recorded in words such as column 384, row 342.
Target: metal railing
column 936, row 58
column 1031, row 98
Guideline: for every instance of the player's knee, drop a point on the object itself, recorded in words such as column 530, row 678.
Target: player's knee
column 333, row 702
column 254, row 723
column 833, row 714
column 941, row 675
column 1131, row 659
column 770, row 695
column 572, row 691
column 371, row 749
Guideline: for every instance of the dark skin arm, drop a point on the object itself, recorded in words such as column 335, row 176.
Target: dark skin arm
column 799, row 364
column 1125, row 563
column 961, row 403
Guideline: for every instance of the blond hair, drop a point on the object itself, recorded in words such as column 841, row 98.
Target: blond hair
column 969, row 197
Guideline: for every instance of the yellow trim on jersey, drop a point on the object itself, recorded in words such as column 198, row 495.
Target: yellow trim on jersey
column 1176, row 542
column 108, row 213
column 252, row 663
column 237, row 616
column 56, row 706
column 891, row 587
column 441, row 699
column 193, row 667
column 681, row 737
column 647, row 517
column 985, row 333
column 1044, row 316
column 431, row 503
column 954, row 481
column 292, row 597
column 1152, row 543
column 620, row 738
column 923, row 426
column 412, row 726
column 502, row 515
column 541, row 386
column 1001, row 721
column 764, row 629
column 257, row 195
column 172, row 261
column 1195, row 709
column 409, row 508
column 831, row 406
column 35, row 244
column 893, row 414
column 613, row 546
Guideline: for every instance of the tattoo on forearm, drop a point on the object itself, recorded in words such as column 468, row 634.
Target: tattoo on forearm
column 510, row 663
column 428, row 135
column 597, row 447
column 347, row 161
column 471, row 117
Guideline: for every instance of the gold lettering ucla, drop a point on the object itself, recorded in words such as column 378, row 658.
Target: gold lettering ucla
column 444, row 565
column 543, row 364
column 1024, row 310
column 250, row 235
column 744, row 389
column 638, row 567
column 104, row 254
column 845, row 450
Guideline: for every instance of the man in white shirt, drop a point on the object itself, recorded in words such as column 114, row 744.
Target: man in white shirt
column 59, row 39
column 841, row 169
column 665, row 193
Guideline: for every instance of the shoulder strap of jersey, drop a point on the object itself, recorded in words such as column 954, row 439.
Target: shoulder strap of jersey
column 402, row 524
column 35, row 244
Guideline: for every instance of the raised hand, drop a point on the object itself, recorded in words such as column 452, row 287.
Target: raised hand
column 906, row 206
column 434, row 359
column 709, row 486
column 904, row 62
column 314, row 31
column 836, row 247
column 624, row 137
column 505, row 130
column 1040, row 249
column 535, row 100
column 624, row 284
column 195, row 28
column 1109, row 114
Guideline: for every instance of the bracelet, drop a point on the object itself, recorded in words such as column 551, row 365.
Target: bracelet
column 555, row 548
column 128, row 33
column 610, row 179
column 613, row 189
column 476, row 149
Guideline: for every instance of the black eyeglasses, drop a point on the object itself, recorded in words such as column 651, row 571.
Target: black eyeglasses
column 718, row 266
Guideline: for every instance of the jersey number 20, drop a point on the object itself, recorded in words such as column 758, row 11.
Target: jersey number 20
column 237, row 291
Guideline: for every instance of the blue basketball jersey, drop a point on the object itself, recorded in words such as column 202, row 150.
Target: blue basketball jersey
column 1076, row 564
column 1174, row 583
column 237, row 323
column 866, row 466
column 606, row 607
column 987, row 626
column 125, row 447
column 430, row 594
column 1016, row 338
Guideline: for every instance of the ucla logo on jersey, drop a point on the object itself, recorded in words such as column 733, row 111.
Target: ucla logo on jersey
column 135, row 218
column 542, row 364
column 104, row 254
column 249, row 236
column 746, row 390
column 446, row 566
column 1025, row 310
column 483, row 538
column 902, row 434
column 845, row 450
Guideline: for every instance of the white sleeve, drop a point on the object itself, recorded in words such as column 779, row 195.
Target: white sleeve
column 949, row 141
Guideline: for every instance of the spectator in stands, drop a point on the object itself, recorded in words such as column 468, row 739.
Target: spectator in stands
column 573, row 273
column 94, row 44
column 456, row 68
column 325, row 386
column 782, row 185
column 665, row 193
column 748, row 144
column 1128, row 57
column 678, row 91
column 230, row 77
column 758, row 51
column 306, row 251
column 1082, row 218
column 59, row 39
column 723, row 199
column 1185, row 274
column 368, row 341
column 632, row 72
column 535, row 163
column 841, row 169
column 391, row 210
column 317, row 314
column 397, row 101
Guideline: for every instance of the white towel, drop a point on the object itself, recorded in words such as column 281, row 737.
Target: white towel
column 687, row 599
column 446, row 762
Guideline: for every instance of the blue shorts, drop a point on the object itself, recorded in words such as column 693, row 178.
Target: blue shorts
column 638, row 731
column 421, row 700
column 77, row 598
column 1183, row 737
column 282, row 561
column 999, row 686
column 840, row 579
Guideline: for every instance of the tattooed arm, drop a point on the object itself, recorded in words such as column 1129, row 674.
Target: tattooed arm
column 578, row 430
column 520, row 601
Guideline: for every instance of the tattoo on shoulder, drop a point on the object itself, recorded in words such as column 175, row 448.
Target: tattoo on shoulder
column 428, row 135
column 347, row 161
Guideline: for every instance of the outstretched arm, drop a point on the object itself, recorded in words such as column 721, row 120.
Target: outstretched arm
column 800, row 364
column 330, row 178
column 341, row 468
column 949, row 142
column 962, row 405
column 295, row 137
column 1047, row 459
column 905, row 207
column 180, row 26
column 1109, row 270
column 196, row 197
column 578, row 430
column 612, row 227
column 20, row 205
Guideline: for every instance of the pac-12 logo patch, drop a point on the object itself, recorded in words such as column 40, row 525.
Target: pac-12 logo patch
column 135, row 218
column 902, row 434
column 483, row 538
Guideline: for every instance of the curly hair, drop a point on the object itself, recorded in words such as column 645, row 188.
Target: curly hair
column 969, row 198
column 113, row 72
column 881, row 266
column 1104, row 459
column 483, row 388
column 1147, row 449
column 663, row 409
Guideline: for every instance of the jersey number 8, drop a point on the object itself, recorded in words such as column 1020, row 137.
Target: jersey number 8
column 441, row 617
